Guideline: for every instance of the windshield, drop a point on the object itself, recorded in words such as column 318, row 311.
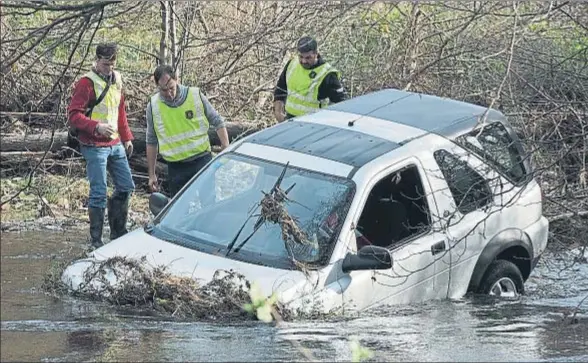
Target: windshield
column 226, row 197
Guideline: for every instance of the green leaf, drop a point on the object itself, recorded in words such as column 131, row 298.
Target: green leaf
column 249, row 308
column 260, row 304
column 264, row 313
column 359, row 353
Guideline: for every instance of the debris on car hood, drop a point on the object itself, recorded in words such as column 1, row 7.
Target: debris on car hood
column 123, row 281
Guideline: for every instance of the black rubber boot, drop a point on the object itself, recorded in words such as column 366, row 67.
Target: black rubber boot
column 118, row 212
column 96, row 226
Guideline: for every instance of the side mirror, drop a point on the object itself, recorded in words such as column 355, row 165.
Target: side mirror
column 368, row 258
column 157, row 202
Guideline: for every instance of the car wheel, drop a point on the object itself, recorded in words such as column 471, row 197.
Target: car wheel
column 503, row 279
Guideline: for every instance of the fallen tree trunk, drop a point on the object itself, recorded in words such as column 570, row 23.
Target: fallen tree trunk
column 43, row 142
column 19, row 163
column 28, row 159
column 139, row 164
column 566, row 216
column 33, row 142
column 22, row 163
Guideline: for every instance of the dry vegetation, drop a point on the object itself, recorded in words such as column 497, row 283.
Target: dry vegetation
column 140, row 285
column 527, row 59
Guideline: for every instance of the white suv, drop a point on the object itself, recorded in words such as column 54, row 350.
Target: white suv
column 395, row 197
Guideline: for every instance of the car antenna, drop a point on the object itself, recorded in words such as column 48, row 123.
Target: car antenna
column 352, row 122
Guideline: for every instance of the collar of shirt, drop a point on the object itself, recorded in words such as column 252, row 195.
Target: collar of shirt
column 319, row 62
column 105, row 78
column 181, row 94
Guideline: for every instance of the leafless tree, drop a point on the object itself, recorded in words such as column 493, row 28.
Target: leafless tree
column 528, row 60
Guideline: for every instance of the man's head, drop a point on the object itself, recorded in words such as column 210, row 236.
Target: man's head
column 307, row 52
column 106, row 58
column 166, row 81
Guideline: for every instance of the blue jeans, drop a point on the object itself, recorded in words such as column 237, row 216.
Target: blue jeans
column 99, row 160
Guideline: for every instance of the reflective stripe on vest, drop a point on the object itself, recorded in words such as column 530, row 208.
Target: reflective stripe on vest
column 303, row 90
column 181, row 131
column 107, row 110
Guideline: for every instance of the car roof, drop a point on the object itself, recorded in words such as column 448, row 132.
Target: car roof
column 439, row 115
column 351, row 132
column 329, row 142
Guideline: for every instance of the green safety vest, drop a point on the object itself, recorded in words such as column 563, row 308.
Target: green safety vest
column 181, row 131
column 107, row 110
column 303, row 90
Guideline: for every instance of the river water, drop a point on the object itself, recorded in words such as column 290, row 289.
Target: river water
column 549, row 324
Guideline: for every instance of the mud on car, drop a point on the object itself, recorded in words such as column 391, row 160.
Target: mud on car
column 388, row 198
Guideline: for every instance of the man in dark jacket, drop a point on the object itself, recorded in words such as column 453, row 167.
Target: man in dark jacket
column 307, row 83
column 105, row 142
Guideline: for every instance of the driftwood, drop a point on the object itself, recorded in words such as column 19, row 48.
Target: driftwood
column 43, row 142
column 139, row 164
column 33, row 142
column 25, row 160
column 566, row 216
column 21, row 163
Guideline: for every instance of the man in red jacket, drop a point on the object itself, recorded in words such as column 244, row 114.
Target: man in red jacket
column 105, row 142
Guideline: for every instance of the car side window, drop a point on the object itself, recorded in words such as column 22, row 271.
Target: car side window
column 396, row 210
column 468, row 188
column 494, row 144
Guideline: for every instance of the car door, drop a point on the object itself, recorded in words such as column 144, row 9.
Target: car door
column 411, row 277
column 519, row 195
column 466, row 190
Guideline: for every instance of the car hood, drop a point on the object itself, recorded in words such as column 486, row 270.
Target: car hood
column 183, row 261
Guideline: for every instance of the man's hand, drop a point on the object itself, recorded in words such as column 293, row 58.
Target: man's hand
column 153, row 183
column 104, row 130
column 129, row 148
column 280, row 116
column 279, row 111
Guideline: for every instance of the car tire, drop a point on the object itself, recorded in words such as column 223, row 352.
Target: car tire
column 502, row 279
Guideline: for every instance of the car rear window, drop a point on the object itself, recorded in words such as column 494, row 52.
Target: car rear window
column 495, row 145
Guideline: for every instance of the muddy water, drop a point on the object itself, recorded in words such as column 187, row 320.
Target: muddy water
column 36, row 327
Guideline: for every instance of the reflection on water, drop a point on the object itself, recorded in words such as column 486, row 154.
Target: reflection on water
column 37, row 327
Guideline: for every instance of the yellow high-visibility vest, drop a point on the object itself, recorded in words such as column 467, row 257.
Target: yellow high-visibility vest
column 303, row 85
column 181, row 131
column 107, row 110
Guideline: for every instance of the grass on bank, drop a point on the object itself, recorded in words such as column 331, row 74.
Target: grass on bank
column 60, row 197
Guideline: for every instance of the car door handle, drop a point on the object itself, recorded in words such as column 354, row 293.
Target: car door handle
column 438, row 247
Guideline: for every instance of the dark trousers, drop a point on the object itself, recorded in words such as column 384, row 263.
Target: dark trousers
column 180, row 173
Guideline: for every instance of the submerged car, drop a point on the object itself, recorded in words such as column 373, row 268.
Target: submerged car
column 388, row 198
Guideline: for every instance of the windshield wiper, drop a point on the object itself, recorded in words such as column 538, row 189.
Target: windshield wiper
column 260, row 219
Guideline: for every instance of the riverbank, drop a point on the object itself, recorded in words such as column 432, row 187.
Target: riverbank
column 59, row 203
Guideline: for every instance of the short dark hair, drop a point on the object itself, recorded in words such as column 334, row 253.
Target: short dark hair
column 106, row 51
column 307, row 44
column 162, row 70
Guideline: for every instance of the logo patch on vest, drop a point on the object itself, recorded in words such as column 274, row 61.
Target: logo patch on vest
column 189, row 114
column 312, row 74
